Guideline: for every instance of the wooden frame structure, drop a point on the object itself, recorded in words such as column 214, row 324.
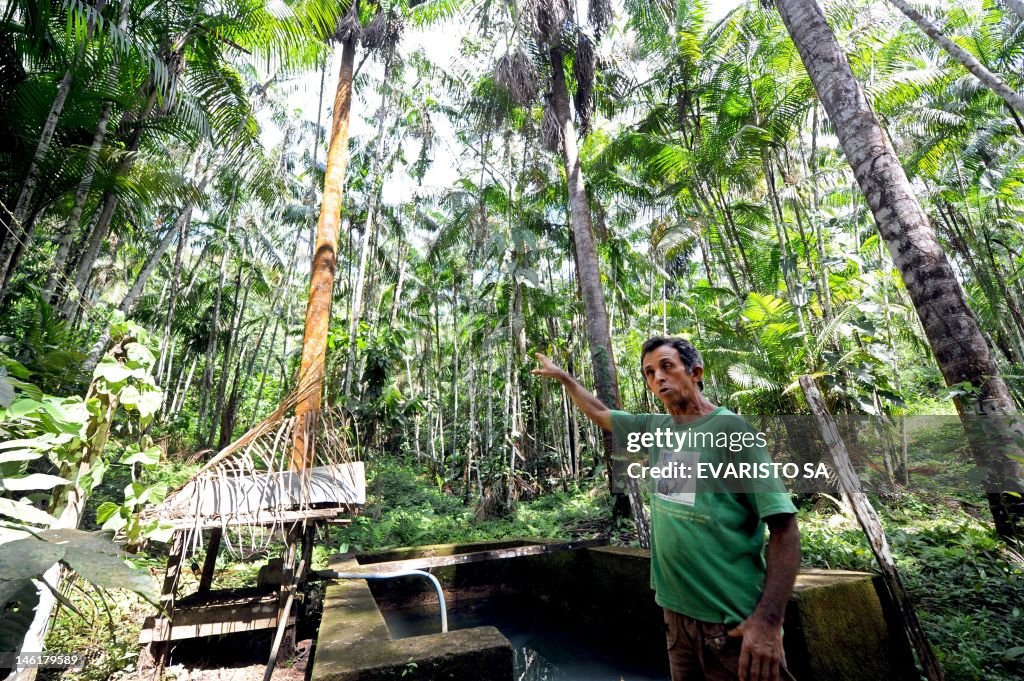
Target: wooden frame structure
column 231, row 497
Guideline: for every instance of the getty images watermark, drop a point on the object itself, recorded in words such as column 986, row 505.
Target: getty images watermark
column 680, row 454
column 889, row 454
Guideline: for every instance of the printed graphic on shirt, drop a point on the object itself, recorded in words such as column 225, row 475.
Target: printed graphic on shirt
column 680, row 488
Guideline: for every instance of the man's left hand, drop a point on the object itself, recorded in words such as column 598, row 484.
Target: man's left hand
column 761, row 653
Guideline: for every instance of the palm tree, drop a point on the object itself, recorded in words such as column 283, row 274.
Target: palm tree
column 550, row 25
column 325, row 248
column 950, row 326
column 1013, row 99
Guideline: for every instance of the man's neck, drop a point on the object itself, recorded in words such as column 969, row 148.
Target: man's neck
column 691, row 410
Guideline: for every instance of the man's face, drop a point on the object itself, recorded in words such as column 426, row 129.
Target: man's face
column 668, row 379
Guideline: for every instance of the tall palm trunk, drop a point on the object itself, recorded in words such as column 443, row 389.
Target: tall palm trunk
column 606, row 380
column 108, row 203
column 206, row 384
column 1013, row 99
column 165, row 342
column 70, row 230
column 325, row 257
column 18, row 226
column 376, row 183
column 951, row 328
column 127, row 305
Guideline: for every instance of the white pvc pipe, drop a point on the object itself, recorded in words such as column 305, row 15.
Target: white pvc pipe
column 331, row 574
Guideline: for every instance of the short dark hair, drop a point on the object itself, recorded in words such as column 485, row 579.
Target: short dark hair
column 689, row 355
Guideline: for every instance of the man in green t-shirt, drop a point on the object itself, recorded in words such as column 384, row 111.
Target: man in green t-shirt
column 723, row 603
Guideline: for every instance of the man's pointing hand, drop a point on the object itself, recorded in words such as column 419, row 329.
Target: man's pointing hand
column 548, row 369
column 591, row 407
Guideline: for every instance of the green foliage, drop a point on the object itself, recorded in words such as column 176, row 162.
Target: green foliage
column 414, row 512
column 967, row 585
column 68, row 435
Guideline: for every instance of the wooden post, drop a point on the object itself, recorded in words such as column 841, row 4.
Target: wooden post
column 849, row 483
column 157, row 650
column 211, row 560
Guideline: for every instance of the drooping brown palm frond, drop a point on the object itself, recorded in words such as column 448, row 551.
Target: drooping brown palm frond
column 550, row 131
column 384, row 31
column 517, row 75
column 583, row 71
column 545, row 19
column 599, row 13
column 349, row 27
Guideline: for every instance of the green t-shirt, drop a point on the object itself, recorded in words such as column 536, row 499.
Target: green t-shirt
column 707, row 534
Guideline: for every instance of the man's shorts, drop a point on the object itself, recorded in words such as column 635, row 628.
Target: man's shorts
column 700, row 651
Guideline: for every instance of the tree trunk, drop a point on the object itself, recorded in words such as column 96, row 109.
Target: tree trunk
column 70, row 230
column 321, row 285
column 206, row 383
column 951, row 328
column 83, row 271
column 605, row 377
column 165, row 341
column 227, row 355
column 376, row 183
column 19, row 223
column 128, row 303
column 869, row 521
column 1013, row 99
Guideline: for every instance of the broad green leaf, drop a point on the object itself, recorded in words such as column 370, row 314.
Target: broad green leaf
column 147, row 458
column 129, row 395
column 69, row 418
column 23, row 407
column 26, row 513
column 32, row 482
column 94, row 556
column 115, row 522
column 40, row 441
column 92, row 478
column 17, row 369
column 149, row 403
column 20, row 599
column 106, row 509
column 140, row 353
column 19, row 455
column 28, row 558
column 30, row 390
column 112, row 371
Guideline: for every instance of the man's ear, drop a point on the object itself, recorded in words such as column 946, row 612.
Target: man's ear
column 697, row 373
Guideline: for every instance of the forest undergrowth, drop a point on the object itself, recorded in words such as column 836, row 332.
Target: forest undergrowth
column 967, row 584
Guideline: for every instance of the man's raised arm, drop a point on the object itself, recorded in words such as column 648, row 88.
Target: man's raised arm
column 593, row 408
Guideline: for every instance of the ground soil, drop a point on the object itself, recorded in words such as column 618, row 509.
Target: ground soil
column 233, row 658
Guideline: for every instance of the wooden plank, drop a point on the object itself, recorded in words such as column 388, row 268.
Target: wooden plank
column 173, row 571
column 477, row 556
column 849, row 483
column 213, row 620
column 212, row 547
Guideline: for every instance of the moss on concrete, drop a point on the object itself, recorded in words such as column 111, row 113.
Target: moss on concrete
column 840, row 625
column 354, row 643
column 836, row 629
column 480, row 654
